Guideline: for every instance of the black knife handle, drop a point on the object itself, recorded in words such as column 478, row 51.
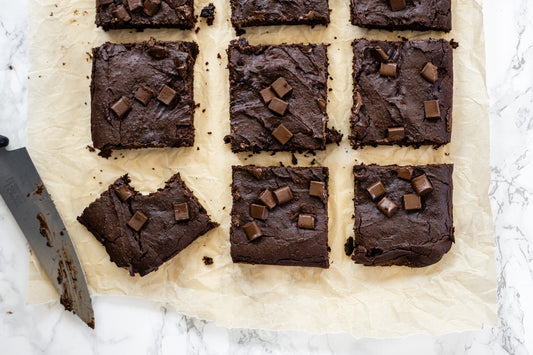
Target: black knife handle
column 4, row 141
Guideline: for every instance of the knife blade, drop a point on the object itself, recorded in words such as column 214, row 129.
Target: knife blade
column 33, row 209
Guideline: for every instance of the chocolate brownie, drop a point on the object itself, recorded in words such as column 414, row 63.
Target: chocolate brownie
column 141, row 232
column 402, row 14
column 278, row 97
column 403, row 215
column 403, row 93
column 268, row 12
column 140, row 14
column 280, row 216
column 142, row 95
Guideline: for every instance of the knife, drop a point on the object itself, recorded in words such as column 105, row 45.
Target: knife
column 33, row 209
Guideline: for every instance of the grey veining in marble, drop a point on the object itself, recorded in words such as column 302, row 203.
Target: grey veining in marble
column 131, row 326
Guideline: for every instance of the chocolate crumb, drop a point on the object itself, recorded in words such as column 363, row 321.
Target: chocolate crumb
column 207, row 260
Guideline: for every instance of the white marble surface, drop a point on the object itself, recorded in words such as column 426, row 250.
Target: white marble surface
column 132, row 326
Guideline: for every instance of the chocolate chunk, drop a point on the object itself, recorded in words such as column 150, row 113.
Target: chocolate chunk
column 430, row 72
column 282, row 134
column 137, row 221
column 281, row 87
column 405, row 172
column 258, row 211
column 257, row 172
column 135, row 5
column 306, row 221
column 380, row 54
column 124, row 192
column 144, row 94
column 268, row 199
column 158, row 52
column 317, row 188
column 387, row 207
column 321, row 104
column 181, row 212
column 397, row 5
column 267, row 94
column 167, row 95
column 358, row 102
column 283, row 195
column 151, row 7
column 412, row 202
column 432, row 109
column 252, row 230
column 122, row 14
column 395, row 134
column 278, row 106
column 388, row 69
column 376, row 190
column 121, row 107
column 422, row 185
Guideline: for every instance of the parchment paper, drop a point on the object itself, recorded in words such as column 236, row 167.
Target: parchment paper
column 455, row 294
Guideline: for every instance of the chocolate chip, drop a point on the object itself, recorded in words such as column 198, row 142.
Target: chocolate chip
column 158, row 52
column 376, row 190
column 151, row 7
column 137, row 221
column 430, row 72
column 121, row 13
column 306, row 221
column 283, row 195
column 317, row 188
column 412, row 202
column 321, row 104
column 432, row 109
column 181, row 212
column 397, row 5
column 135, row 5
column 278, row 106
column 124, row 192
column 388, row 69
column 395, row 134
column 268, row 199
column 258, row 211
column 167, row 95
column 387, row 207
column 281, row 87
column 252, row 230
column 380, row 54
column 267, row 94
column 144, row 94
column 422, row 185
column 358, row 103
column 405, row 173
column 282, row 134
column 121, row 107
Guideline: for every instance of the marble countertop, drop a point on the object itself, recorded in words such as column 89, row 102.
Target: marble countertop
column 134, row 326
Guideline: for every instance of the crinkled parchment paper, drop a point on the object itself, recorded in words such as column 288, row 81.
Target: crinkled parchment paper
column 457, row 293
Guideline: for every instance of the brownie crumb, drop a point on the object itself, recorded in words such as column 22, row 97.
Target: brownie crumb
column 90, row 149
column 349, row 247
column 454, row 44
column 294, row 160
column 208, row 13
column 207, row 260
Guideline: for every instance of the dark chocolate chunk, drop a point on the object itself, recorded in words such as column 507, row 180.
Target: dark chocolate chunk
column 124, row 192
column 282, row 134
column 252, row 230
column 388, row 69
column 380, row 54
column 395, row 134
column 181, row 212
column 281, row 87
column 412, row 202
column 405, row 172
column 258, row 211
column 306, row 221
column 167, row 95
column 267, row 94
column 158, row 52
column 317, row 188
column 278, row 106
column 397, row 5
column 376, row 190
column 121, row 107
column 422, row 185
column 135, row 5
column 151, row 7
column 122, row 14
column 208, row 13
column 432, row 109
column 144, row 94
column 283, row 195
column 268, row 199
column 430, row 72
column 387, row 207
column 137, row 221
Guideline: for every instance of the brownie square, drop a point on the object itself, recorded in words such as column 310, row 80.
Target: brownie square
column 292, row 228
column 116, row 14
column 393, row 15
column 141, row 232
column 142, row 95
column 393, row 83
column 268, row 12
column 294, row 118
column 419, row 230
